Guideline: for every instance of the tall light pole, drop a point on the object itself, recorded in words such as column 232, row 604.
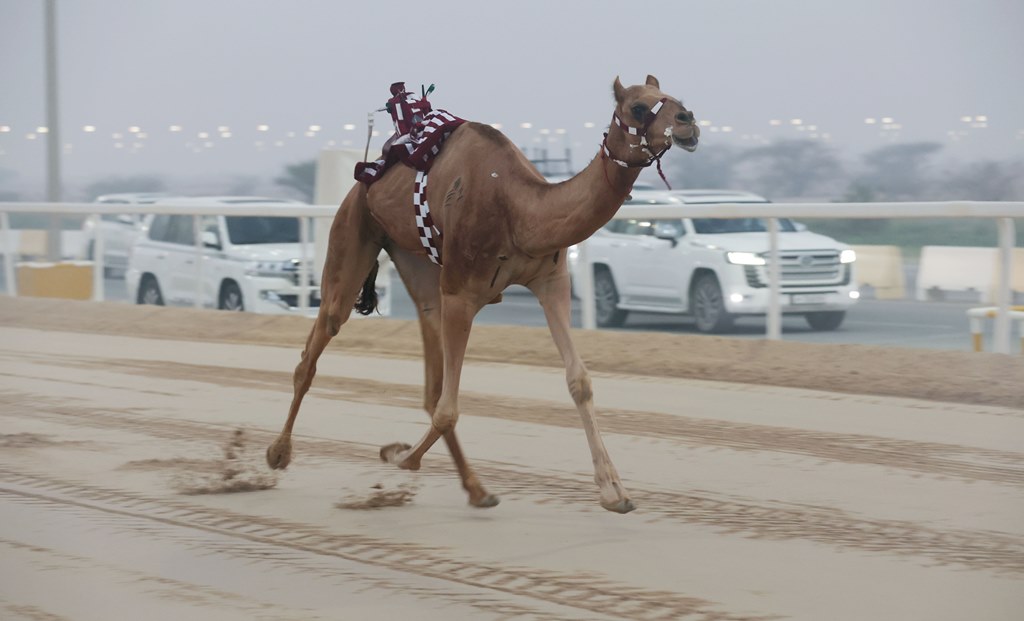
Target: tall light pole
column 53, row 149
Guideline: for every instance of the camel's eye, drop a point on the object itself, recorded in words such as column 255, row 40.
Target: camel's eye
column 639, row 111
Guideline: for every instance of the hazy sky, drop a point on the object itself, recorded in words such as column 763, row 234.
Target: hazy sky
column 205, row 65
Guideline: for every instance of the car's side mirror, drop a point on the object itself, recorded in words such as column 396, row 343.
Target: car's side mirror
column 800, row 226
column 124, row 218
column 210, row 240
column 668, row 233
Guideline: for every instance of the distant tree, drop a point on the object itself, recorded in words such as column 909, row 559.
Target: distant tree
column 985, row 181
column 789, row 168
column 116, row 185
column 709, row 167
column 858, row 192
column 899, row 171
column 243, row 185
column 301, row 178
column 6, row 174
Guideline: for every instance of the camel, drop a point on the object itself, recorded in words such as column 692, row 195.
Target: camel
column 501, row 223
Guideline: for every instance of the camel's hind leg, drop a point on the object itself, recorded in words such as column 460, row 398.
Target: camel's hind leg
column 553, row 293
column 422, row 280
column 352, row 249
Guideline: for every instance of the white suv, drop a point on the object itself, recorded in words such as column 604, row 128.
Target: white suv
column 250, row 263
column 118, row 230
column 715, row 268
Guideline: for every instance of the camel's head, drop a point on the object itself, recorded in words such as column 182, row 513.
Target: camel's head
column 659, row 120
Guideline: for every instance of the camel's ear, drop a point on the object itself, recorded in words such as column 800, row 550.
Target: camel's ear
column 619, row 90
column 653, row 81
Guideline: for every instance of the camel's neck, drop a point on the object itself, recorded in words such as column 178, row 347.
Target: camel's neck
column 567, row 213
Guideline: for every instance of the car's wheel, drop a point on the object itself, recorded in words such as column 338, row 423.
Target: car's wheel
column 230, row 297
column 606, row 301
column 149, row 291
column 825, row 320
column 708, row 306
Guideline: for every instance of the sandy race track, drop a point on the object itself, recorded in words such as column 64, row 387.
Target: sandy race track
column 807, row 482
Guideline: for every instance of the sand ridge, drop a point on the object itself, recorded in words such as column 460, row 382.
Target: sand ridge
column 960, row 377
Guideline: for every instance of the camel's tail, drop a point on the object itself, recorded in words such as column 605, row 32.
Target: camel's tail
column 367, row 302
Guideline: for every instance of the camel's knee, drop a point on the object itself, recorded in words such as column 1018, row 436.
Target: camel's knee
column 444, row 419
column 334, row 322
column 580, row 387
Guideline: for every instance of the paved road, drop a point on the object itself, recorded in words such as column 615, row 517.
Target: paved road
column 903, row 323
column 936, row 325
column 754, row 502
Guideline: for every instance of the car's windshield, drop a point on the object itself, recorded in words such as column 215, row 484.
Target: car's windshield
column 262, row 230
column 712, row 226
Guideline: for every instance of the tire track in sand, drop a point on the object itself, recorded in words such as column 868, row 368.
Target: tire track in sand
column 931, row 458
column 999, row 552
column 585, row 592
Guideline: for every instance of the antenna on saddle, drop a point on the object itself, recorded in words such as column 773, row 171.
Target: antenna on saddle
column 369, row 132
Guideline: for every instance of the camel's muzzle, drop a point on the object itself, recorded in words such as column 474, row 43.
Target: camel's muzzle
column 688, row 144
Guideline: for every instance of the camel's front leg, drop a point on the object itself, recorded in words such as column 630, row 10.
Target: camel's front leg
column 422, row 281
column 456, row 321
column 553, row 293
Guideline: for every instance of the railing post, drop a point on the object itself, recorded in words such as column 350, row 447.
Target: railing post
column 198, row 302
column 10, row 254
column 1001, row 336
column 98, row 263
column 585, row 280
column 774, row 330
column 304, row 225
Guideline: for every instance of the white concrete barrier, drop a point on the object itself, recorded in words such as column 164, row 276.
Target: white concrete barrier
column 30, row 244
column 881, row 267
column 958, row 268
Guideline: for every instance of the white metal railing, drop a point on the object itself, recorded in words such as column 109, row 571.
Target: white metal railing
column 304, row 213
column 1004, row 212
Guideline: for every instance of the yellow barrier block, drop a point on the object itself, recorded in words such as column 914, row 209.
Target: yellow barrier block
column 979, row 315
column 882, row 268
column 69, row 279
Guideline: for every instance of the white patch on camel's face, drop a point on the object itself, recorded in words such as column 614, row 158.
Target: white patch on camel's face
column 494, row 174
column 668, row 131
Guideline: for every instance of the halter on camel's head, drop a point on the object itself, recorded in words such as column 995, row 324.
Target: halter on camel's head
column 645, row 124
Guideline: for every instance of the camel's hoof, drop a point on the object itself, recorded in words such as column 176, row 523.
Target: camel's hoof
column 488, row 501
column 279, row 454
column 623, row 506
column 395, row 454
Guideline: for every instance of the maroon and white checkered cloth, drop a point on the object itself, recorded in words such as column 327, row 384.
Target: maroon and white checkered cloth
column 430, row 237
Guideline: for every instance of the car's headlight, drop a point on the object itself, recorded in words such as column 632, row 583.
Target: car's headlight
column 744, row 258
column 847, row 256
column 278, row 269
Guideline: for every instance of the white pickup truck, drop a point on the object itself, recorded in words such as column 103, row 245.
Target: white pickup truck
column 714, row 269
